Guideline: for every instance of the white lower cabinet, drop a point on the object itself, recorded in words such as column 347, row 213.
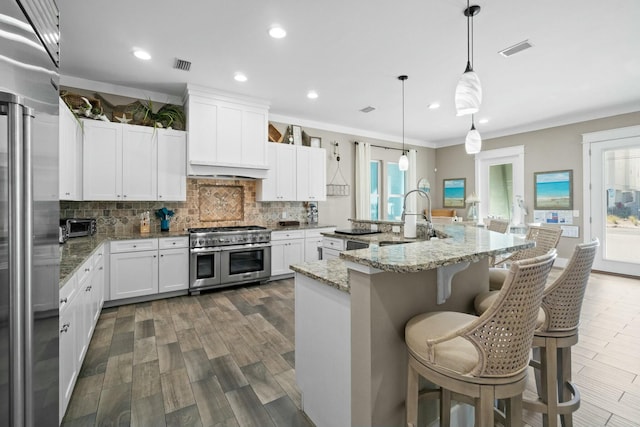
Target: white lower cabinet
column 313, row 242
column 148, row 266
column 287, row 247
column 81, row 300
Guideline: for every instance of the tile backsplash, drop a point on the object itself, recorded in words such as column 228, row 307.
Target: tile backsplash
column 210, row 203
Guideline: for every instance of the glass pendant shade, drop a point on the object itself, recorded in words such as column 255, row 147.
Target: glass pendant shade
column 473, row 142
column 468, row 93
column 403, row 163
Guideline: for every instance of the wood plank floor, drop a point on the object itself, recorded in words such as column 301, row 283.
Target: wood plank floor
column 227, row 359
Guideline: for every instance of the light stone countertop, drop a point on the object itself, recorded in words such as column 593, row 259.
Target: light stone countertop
column 463, row 244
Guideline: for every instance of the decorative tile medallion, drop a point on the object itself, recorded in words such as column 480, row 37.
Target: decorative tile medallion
column 221, row 203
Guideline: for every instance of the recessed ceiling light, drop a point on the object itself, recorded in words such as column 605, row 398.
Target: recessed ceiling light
column 483, row 121
column 239, row 77
column 277, row 32
column 434, row 106
column 141, row 54
column 312, row 94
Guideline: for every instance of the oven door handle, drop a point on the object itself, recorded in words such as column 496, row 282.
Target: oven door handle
column 245, row 247
column 204, row 251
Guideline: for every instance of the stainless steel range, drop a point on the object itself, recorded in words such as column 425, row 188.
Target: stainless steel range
column 226, row 256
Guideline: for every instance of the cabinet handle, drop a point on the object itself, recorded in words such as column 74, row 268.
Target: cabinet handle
column 63, row 300
column 135, row 246
column 87, row 270
column 100, row 268
column 159, row 196
column 124, row 195
column 117, row 195
column 174, row 243
column 88, row 288
column 161, row 256
column 65, row 327
column 155, row 256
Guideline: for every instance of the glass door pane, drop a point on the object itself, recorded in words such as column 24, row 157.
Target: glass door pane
column 374, row 198
column 621, row 180
column 395, row 191
column 500, row 191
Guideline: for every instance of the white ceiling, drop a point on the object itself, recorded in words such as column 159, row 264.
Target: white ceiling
column 584, row 64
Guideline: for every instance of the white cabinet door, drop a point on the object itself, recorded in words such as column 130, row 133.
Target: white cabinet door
column 173, row 270
column 68, row 368
column 280, row 184
column 254, row 137
column 203, row 122
column 97, row 291
column 311, row 252
column 82, row 305
column 229, row 150
column 311, row 174
column 70, row 155
column 133, row 274
column 139, row 163
column 284, row 253
column 172, row 165
column 102, row 160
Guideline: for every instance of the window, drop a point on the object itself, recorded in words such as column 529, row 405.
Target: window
column 387, row 190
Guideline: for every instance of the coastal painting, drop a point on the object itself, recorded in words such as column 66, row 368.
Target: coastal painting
column 453, row 194
column 553, row 190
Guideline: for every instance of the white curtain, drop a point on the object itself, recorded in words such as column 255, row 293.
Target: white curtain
column 412, row 181
column 363, row 180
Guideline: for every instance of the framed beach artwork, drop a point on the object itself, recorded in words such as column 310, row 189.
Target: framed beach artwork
column 453, row 193
column 553, row 190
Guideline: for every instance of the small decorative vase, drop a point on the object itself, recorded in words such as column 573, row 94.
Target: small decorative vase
column 164, row 225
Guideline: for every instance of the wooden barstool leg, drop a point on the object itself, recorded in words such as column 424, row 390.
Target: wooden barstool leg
column 514, row 411
column 411, row 402
column 537, row 357
column 564, row 378
column 484, row 406
column 445, row 407
column 549, row 375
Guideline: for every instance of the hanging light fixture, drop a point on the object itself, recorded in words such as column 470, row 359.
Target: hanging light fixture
column 473, row 142
column 468, row 90
column 403, row 163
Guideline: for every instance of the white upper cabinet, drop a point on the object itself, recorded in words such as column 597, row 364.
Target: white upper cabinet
column 295, row 173
column 70, row 155
column 311, row 174
column 172, row 165
column 227, row 133
column 280, row 183
column 139, row 163
column 102, row 160
column 126, row 162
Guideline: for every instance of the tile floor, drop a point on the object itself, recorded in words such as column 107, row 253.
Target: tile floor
column 226, row 359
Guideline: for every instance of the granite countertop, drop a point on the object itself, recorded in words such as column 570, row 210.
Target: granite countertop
column 462, row 244
column 77, row 250
column 303, row 226
column 331, row 272
column 373, row 238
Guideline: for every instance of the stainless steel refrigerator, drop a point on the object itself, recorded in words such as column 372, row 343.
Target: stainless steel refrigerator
column 29, row 211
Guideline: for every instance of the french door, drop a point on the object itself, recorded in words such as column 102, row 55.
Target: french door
column 612, row 198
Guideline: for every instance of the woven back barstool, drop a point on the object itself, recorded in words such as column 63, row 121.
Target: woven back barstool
column 546, row 238
column 498, row 225
column 477, row 359
column 557, row 332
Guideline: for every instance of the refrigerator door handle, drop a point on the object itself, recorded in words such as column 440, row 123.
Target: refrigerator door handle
column 20, row 171
column 17, row 252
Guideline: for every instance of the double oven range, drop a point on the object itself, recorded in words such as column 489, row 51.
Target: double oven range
column 226, row 256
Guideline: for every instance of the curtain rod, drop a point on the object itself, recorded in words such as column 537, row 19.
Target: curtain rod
column 380, row 146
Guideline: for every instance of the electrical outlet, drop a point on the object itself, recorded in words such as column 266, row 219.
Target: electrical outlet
column 284, row 215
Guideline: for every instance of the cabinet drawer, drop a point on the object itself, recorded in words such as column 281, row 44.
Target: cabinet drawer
column 286, row 235
column 134, row 245
column 333, row 243
column 84, row 271
column 317, row 232
column 173, row 242
column 98, row 256
column 68, row 292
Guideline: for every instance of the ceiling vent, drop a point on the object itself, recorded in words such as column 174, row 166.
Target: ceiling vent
column 368, row 109
column 519, row 47
column 181, row 64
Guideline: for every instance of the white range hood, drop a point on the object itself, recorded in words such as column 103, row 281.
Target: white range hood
column 199, row 169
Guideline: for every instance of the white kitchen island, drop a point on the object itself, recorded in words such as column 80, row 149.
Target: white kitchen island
column 351, row 313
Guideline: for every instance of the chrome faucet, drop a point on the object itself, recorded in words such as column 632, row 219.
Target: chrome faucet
column 427, row 217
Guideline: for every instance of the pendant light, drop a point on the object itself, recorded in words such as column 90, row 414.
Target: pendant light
column 473, row 141
column 469, row 90
column 403, row 163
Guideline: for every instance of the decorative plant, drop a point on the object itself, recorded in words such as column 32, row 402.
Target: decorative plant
column 168, row 115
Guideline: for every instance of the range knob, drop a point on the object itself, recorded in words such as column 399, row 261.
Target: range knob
column 200, row 242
